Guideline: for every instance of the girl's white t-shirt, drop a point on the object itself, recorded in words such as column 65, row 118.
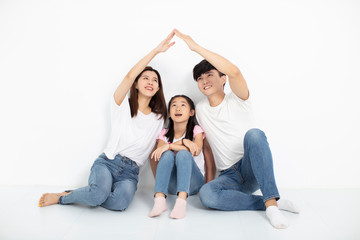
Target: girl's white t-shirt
column 225, row 126
column 199, row 159
column 135, row 137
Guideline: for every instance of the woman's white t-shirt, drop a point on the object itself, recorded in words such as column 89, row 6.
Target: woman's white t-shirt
column 135, row 137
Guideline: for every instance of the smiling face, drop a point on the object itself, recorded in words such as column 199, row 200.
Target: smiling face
column 180, row 110
column 148, row 84
column 211, row 82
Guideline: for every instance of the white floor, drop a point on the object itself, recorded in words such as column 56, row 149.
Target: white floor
column 326, row 214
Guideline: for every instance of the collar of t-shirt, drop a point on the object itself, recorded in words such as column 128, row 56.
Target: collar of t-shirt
column 178, row 139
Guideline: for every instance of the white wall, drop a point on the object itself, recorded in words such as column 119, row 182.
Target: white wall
column 60, row 62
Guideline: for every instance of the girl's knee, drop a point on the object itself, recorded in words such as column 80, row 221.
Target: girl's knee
column 167, row 156
column 183, row 155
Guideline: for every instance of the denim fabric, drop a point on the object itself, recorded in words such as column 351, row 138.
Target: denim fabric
column 178, row 173
column 233, row 189
column 112, row 184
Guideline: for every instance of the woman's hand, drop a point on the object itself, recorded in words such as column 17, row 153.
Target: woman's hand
column 159, row 151
column 165, row 44
column 187, row 39
column 193, row 147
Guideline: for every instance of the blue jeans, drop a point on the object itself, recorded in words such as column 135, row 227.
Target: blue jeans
column 178, row 173
column 112, row 184
column 233, row 189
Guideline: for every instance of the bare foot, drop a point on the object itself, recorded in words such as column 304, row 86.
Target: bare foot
column 48, row 199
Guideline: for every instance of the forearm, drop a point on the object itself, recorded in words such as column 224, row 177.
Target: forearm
column 210, row 167
column 139, row 66
column 129, row 79
column 219, row 62
column 178, row 146
column 209, row 173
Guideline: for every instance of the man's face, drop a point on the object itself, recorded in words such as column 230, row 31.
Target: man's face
column 210, row 82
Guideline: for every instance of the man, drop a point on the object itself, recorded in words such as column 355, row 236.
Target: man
column 241, row 153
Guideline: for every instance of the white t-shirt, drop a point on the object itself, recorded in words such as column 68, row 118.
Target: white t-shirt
column 225, row 126
column 135, row 137
column 199, row 159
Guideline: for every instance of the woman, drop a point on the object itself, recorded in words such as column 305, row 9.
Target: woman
column 135, row 124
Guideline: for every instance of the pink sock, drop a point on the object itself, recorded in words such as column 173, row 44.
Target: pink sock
column 179, row 209
column 159, row 207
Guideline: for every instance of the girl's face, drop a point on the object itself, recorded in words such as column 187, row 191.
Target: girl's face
column 180, row 110
column 148, row 84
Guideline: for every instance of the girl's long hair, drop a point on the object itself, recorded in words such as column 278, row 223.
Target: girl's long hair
column 190, row 124
column 157, row 102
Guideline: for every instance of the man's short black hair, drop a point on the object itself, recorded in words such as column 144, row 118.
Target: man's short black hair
column 203, row 67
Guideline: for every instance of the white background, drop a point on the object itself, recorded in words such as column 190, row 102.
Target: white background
column 60, row 62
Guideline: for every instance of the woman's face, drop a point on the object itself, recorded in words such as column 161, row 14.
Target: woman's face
column 148, row 84
column 180, row 110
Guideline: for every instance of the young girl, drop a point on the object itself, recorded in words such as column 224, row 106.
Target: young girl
column 135, row 124
column 181, row 162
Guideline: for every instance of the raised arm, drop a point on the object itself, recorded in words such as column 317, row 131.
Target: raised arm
column 129, row 79
column 236, row 80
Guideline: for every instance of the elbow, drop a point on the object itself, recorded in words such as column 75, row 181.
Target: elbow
column 234, row 72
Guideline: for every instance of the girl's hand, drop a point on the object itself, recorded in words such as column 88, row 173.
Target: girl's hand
column 159, row 151
column 165, row 44
column 187, row 39
column 193, row 147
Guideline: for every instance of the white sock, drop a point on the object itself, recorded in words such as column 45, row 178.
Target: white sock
column 179, row 209
column 159, row 207
column 288, row 205
column 276, row 218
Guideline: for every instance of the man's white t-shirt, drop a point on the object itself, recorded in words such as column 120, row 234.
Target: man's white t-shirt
column 225, row 126
column 135, row 137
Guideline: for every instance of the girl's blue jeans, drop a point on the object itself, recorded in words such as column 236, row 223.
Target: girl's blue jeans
column 233, row 189
column 178, row 173
column 112, row 184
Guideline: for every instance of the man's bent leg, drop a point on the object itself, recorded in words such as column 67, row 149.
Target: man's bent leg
column 256, row 167
column 223, row 193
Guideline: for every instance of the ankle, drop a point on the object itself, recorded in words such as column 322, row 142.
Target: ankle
column 160, row 194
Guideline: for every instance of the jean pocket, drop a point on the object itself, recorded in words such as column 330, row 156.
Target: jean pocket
column 135, row 169
column 238, row 174
column 120, row 171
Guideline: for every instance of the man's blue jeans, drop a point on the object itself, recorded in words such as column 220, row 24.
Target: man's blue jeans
column 112, row 184
column 178, row 173
column 233, row 189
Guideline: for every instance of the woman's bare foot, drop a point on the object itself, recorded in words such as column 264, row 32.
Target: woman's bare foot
column 48, row 199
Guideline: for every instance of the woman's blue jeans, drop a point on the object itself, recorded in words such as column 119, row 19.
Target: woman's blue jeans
column 233, row 189
column 178, row 173
column 112, row 184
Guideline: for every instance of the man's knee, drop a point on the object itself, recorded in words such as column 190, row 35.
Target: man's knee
column 208, row 196
column 254, row 136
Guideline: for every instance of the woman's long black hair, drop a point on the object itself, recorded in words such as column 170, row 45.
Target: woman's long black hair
column 190, row 124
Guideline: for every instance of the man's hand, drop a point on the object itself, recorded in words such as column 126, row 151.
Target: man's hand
column 187, row 39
